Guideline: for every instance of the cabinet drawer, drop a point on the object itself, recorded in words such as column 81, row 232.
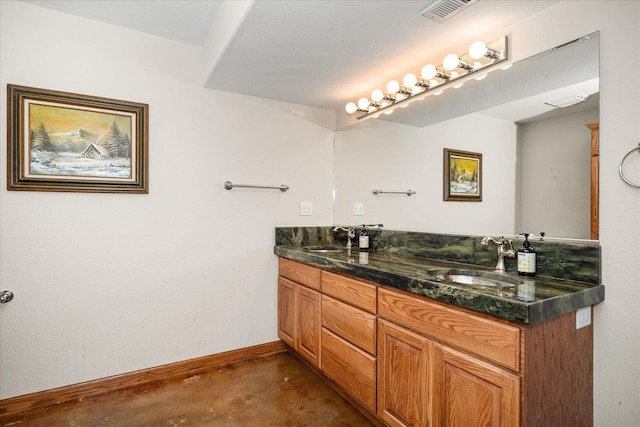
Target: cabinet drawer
column 350, row 323
column 354, row 292
column 351, row 368
column 300, row 273
column 492, row 340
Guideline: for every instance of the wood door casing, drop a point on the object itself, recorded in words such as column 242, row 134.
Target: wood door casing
column 595, row 179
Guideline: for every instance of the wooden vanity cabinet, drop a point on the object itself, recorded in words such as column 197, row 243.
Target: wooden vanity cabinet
column 406, row 360
column 299, row 308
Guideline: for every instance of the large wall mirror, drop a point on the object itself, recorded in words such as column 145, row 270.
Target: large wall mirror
column 529, row 122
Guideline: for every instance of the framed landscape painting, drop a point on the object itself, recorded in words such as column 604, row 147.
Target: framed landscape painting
column 462, row 176
column 60, row 141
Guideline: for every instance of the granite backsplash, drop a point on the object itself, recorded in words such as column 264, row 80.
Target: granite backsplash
column 559, row 260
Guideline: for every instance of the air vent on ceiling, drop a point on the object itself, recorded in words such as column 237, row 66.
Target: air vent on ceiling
column 568, row 101
column 441, row 10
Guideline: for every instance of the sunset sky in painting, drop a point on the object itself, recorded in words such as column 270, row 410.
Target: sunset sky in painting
column 62, row 119
column 470, row 165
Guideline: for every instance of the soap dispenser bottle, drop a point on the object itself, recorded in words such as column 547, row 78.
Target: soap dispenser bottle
column 363, row 240
column 526, row 258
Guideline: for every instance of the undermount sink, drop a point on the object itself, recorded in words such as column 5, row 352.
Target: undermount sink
column 324, row 249
column 472, row 278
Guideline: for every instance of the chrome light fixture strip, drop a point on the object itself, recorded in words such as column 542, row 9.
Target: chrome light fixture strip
column 432, row 80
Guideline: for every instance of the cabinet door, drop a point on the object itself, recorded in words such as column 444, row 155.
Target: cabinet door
column 287, row 311
column 403, row 376
column 471, row 392
column 308, row 319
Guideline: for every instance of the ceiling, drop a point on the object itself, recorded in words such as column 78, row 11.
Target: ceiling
column 315, row 53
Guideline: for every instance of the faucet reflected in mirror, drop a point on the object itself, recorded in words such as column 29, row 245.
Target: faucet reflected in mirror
column 505, row 249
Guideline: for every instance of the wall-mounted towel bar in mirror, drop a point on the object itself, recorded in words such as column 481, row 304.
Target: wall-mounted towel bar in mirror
column 408, row 192
column 229, row 185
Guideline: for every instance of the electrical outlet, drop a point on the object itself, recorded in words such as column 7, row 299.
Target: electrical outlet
column 306, row 209
column 358, row 209
column 583, row 317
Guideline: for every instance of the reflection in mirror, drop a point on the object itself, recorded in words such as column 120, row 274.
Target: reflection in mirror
column 536, row 152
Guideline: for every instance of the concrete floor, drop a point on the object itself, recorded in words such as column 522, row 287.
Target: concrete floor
column 277, row 390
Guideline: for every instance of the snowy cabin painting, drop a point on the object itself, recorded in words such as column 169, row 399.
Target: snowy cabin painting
column 94, row 151
column 73, row 142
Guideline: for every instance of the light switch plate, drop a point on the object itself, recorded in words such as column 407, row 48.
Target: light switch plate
column 583, row 317
column 306, row 209
column 358, row 209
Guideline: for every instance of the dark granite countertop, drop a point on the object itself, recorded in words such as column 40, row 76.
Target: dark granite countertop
column 546, row 298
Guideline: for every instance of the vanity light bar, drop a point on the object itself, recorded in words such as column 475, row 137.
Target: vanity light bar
column 433, row 80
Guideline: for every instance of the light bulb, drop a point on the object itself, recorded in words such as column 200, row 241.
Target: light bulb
column 477, row 50
column 433, row 83
column 428, row 72
column 393, row 86
column 451, row 62
column 363, row 103
column 351, row 108
column 409, row 80
column 377, row 95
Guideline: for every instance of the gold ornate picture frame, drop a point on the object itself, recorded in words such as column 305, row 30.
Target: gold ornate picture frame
column 462, row 179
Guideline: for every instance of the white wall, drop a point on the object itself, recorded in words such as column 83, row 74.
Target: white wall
column 555, row 168
column 106, row 283
column 394, row 157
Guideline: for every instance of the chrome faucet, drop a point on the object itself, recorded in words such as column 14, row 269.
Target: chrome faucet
column 503, row 252
column 351, row 233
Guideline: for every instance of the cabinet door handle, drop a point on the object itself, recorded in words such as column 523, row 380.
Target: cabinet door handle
column 5, row 296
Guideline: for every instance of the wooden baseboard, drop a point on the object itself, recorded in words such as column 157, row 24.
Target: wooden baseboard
column 144, row 377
